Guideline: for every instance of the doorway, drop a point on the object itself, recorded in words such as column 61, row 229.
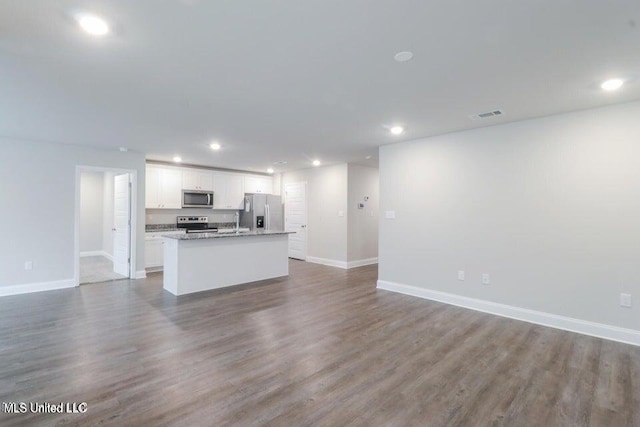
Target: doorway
column 295, row 218
column 104, row 220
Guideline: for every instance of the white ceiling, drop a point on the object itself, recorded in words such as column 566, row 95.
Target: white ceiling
column 297, row 80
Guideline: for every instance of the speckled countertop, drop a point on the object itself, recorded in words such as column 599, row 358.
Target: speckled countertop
column 199, row 236
column 152, row 228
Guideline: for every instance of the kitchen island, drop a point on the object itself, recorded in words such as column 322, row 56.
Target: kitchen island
column 196, row 262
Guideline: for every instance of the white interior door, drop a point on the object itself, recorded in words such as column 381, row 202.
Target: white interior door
column 121, row 224
column 295, row 218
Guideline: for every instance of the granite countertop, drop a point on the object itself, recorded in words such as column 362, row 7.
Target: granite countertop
column 152, row 228
column 215, row 235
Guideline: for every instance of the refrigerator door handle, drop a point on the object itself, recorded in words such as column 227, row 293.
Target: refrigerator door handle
column 268, row 217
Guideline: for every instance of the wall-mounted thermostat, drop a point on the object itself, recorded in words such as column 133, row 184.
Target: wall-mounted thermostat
column 366, row 198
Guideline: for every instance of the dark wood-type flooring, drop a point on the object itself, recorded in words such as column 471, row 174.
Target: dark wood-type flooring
column 321, row 347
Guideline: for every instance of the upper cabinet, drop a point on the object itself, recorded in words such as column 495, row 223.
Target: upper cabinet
column 152, row 188
column 194, row 179
column 228, row 191
column 164, row 185
column 258, row 184
column 163, row 188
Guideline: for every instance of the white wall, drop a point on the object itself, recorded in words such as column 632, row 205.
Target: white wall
column 91, row 211
column 107, row 213
column 550, row 208
column 326, row 195
column 37, row 176
column 362, row 240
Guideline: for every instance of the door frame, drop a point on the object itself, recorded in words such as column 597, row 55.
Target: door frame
column 306, row 212
column 133, row 217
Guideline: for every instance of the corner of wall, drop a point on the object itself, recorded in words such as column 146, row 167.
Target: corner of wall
column 362, row 211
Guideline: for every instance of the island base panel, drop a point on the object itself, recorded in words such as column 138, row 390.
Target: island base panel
column 200, row 265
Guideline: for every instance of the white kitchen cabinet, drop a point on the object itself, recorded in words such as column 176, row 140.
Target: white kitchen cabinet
column 154, row 248
column 164, row 185
column 235, row 191
column 163, row 188
column 266, row 185
column 228, row 191
column 171, row 189
column 194, row 179
column 258, row 184
column 152, row 188
column 153, row 253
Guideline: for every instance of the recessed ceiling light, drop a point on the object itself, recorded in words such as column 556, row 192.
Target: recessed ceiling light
column 93, row 25
column 214, row 146
column 403, row 56
column 368, row 157
column 270, row 170
column 177, row 159
column 396, row 130
column 316, row 163
column 123, row 149
column 612, row 84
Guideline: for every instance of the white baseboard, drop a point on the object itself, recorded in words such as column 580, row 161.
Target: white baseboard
column 96, row 253
column 90, row 253
column 325, row 261
column 342, row 264
column 28, row 288
column 362, row 262
column 600, row 330
column 142, row 274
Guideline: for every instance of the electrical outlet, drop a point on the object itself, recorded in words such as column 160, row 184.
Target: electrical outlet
column 28, row 265
column 625, row 300
column 390, row 214
column 486, row 279
column 460, row 275
column 341, row 214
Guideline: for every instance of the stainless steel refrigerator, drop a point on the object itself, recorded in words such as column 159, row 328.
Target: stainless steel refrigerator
column 262, row 212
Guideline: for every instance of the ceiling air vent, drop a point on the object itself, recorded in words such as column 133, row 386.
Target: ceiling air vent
column 487, row 115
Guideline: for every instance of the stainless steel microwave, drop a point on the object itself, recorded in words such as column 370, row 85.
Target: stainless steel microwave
column 197, row 199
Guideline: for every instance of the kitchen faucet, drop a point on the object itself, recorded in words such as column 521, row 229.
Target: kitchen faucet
column 237, row 219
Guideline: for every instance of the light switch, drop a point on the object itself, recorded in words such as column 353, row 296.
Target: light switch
column 390, row 214
column 340, row 214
